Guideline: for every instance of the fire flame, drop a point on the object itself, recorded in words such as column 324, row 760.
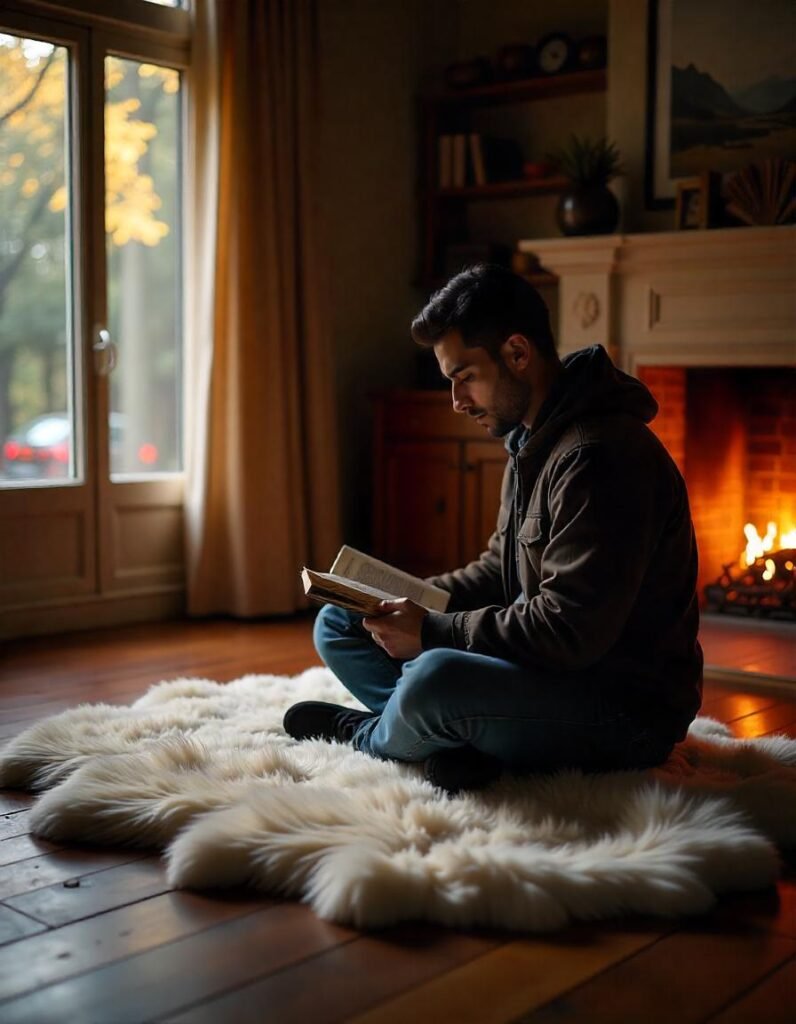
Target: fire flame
column 758, row 547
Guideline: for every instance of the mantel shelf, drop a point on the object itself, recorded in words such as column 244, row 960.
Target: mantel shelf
column 721, row 297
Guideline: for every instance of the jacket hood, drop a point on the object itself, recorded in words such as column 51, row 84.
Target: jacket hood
column 589, row 385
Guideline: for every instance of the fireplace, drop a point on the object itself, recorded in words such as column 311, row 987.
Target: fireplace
column 732, row 433
column 708, row 320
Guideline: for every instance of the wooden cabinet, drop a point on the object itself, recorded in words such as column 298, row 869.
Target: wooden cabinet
column 444, row 207
column 437, row 479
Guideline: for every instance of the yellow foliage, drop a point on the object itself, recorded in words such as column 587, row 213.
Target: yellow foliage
column 169, row 77
column 57, row 202
column 32, row 132
column 114, row 73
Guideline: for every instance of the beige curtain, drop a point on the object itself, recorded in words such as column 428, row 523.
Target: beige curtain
column 262, row 494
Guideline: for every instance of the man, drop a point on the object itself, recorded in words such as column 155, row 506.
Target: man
column 572, row 641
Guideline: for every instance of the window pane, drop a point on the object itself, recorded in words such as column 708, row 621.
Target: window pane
column 142, row 162
column 36, row 375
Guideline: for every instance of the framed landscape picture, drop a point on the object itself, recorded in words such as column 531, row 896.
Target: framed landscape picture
column 721, row 89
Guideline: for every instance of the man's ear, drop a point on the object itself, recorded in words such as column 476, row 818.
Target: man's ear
column 516, row 353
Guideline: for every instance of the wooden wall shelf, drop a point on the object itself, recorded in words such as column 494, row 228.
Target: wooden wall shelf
column 505, row 189
column 443, row 210
column 540, row 87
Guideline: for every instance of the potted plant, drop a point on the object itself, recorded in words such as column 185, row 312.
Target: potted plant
column 587, row 206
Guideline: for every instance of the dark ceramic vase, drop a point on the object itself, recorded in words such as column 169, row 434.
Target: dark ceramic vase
column 587, row 210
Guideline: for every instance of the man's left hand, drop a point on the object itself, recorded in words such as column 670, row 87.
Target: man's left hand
column 397, row 628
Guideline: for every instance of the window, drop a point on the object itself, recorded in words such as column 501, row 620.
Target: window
column 142, row 222
column 91, row 334
column 37, row 407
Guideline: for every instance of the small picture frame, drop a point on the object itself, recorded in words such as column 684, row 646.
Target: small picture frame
column 696, row 204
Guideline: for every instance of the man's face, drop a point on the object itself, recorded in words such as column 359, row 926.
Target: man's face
column 482, row 388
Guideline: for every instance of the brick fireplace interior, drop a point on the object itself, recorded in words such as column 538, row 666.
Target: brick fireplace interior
column 732, row 432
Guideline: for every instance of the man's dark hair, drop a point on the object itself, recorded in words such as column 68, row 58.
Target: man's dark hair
column 486, row 303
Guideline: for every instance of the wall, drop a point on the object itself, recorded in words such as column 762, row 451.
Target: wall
column 372, row 61
column 626, row 111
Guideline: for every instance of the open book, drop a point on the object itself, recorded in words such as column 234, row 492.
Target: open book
column 359, row 582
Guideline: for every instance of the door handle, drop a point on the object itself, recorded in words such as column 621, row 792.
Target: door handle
column 105, row 352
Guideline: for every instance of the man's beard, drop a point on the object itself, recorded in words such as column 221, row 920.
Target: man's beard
column 511, row 403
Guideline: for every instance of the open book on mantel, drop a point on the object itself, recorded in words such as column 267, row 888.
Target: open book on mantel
column 359, row 583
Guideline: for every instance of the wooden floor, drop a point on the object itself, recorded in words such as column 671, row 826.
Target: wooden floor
column 95, row 935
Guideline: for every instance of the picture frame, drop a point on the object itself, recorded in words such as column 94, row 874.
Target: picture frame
column 696, row 202
column 721, row 93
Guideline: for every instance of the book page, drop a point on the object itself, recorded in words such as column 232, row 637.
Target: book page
column 324, row 587
column 355, row 565
column 344, row 584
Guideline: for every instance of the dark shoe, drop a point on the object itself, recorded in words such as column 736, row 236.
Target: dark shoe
column 315, row 719
column 461, row 768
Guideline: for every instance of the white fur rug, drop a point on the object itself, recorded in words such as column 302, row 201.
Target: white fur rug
column 205, row 772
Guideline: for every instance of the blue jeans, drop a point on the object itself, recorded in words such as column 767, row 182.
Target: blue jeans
column 531, row 721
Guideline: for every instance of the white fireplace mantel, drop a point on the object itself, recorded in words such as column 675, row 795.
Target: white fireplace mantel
column 725, row 297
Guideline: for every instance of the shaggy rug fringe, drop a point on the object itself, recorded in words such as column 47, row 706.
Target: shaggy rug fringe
column 205, row 772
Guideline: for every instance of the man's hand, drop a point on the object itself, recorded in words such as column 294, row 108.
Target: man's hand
column 397, row 628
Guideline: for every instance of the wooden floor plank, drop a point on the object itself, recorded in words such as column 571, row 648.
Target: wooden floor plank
column 14, row 800
column 773, row 1001
column 94, row 893
column 786, row 729
column 117, row 684
column 14, row 926
column 736, row 705
column 349, row 978
column 156, row 984
column 63, row 865
column 500, row 985
column 24, row 846
column 16, row 824
column 73, row 949
column 685, row 977
column 769, row 720
column 755, row 646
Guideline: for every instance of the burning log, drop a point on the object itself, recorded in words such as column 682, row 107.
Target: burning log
column 767, row 586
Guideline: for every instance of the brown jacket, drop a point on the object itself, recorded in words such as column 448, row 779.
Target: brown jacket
column 593, row 563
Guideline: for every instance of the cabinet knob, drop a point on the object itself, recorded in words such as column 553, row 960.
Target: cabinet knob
column 440, row 506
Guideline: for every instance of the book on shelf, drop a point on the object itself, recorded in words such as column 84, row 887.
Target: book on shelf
column 459, row 160
column 477, row 158
column 494, row 159
column 445, row 161
column 359, row 583
column 473, row 159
